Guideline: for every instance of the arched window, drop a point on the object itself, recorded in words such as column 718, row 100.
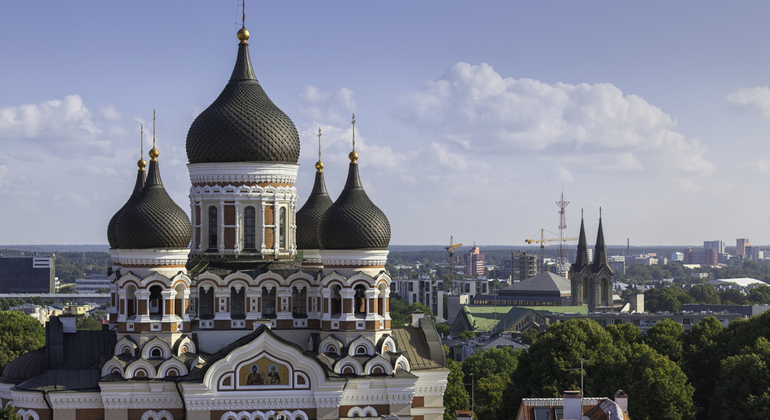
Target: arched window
column 336, row 300
column 585, row 290
column 206, row 306
column 299, row 302
column 282, row 228
column 360, row 300
column 156, row 301
column 213, row 227
column 156, row 352
column 268, row 302
column 238, row 303
column 130, row 301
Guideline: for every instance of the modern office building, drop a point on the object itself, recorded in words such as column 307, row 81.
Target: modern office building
column 523, row 266
column 23, row 274
column 92, row 283
column 475, row 265
column 718, row 245
column 426, row 291
column 740, row 247
column 702, row 256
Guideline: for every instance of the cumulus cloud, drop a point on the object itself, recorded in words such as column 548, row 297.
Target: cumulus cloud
column 63, row 125
column 476, row 110
column 755, row 100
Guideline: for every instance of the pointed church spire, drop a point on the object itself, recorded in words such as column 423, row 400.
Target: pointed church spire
column 581, row 260
column 243, row 69
column 600, row 251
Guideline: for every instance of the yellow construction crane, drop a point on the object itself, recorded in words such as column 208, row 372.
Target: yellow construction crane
column 451, row 249
column 542, row 242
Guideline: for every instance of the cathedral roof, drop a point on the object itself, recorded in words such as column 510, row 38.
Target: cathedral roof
column 353, row 221
column 309, row 216
column 111, row 232
column 153, row 220
column 26, row 366
column 243, row 124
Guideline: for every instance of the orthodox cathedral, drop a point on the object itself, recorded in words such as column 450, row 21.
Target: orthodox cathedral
column 251, row 308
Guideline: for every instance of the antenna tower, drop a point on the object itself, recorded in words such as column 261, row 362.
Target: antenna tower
column 563, row 255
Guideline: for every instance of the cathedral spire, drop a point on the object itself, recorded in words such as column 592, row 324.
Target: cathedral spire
column 581, row 260
column 600, row 251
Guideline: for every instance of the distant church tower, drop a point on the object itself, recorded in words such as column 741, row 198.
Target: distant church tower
column 591, row 283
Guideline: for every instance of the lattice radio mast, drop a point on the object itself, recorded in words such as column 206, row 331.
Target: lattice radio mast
column 563, row 255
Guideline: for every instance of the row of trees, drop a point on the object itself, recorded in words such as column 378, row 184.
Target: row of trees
column 645, row 274
column 712, row 372
column 671, row 298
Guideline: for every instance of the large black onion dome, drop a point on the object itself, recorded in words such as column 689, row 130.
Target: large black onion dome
column 309, row 216
column 153, row 220
column 243, row 124
column 353, row 221
column 111, row 232
column 26, row 366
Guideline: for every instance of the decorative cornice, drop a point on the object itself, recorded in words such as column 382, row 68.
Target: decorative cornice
column 432, row 391
column 66, row 402
column 135, row 401
column 31, row 401
column 377, row 399
column 353, row 263
column 239, row 173
column 259, row 403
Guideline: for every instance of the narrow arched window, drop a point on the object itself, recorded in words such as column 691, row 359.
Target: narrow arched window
column 268, row 302
column 212, row 227
column 360, row 299
column 336, row 300
column 299, row 302
column 206, row 306
column 282, row 228
column 249, row 227
column 156, row 300
column 237, row 303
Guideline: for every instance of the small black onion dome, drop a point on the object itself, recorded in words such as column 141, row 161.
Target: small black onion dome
column 353, row 221
column 26, row 366
column 309, row 216
column 111, row 233
column 243, row 124
column 153, row 220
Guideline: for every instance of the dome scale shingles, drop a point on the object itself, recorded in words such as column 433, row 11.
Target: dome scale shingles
column 243, row 124
column 153, row 220
column 309, row 216
column 111, row 231
column 353, row 221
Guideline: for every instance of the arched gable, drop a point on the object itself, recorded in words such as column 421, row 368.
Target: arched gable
column 260, row 279
column 211, row 277
column 266, row 363
column 238, row 275
column 331, row 344
column 361, row 347
column 403, row 364
column 149, row 350
column 172, row 367
column 139, row 369
column 184, row 345
column 387, row 344
column 155, row 278
column 125, row 346
column 300, row 276
column 347, row 366
column 180, row 278
column 333, row 277
column 112, row 366
column 378, row 365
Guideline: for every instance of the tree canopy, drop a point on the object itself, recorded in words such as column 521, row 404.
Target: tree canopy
column 19, row 334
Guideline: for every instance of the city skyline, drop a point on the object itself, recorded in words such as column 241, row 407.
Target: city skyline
column 470, row 119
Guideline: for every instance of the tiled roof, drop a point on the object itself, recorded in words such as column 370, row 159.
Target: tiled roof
column 413, row 343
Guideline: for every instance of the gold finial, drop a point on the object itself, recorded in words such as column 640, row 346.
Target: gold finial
column 141, row 163
column 243, row 33
column 353, row 155
column 319, row 165
column 154, row 152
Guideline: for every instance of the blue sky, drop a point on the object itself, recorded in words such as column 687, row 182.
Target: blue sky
column 472, row 117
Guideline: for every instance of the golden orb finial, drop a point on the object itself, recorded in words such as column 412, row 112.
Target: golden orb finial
column 353, row 157
column 319, row 166
column 141, row 163
column 154, row 154
column 243, row 35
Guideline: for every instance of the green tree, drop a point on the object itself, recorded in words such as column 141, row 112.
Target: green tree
column 19, row 334
column 665, row 337
column 759, row 296
column 732, row 297
column 466, row 335
column 703, row 349
column 668, row 299
column 488, row 396
column 624, row 334
column 484, row 363
column 86, row 323
column 9, row 413
column 743, row 390
column 455, row 395
column 705, row 294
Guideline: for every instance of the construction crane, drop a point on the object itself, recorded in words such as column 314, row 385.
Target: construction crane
column 542, row 242
column 451, row 249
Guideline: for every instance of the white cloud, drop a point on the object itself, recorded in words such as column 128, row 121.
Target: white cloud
column 476, row 110
column 755, row 100
column 64, row 126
